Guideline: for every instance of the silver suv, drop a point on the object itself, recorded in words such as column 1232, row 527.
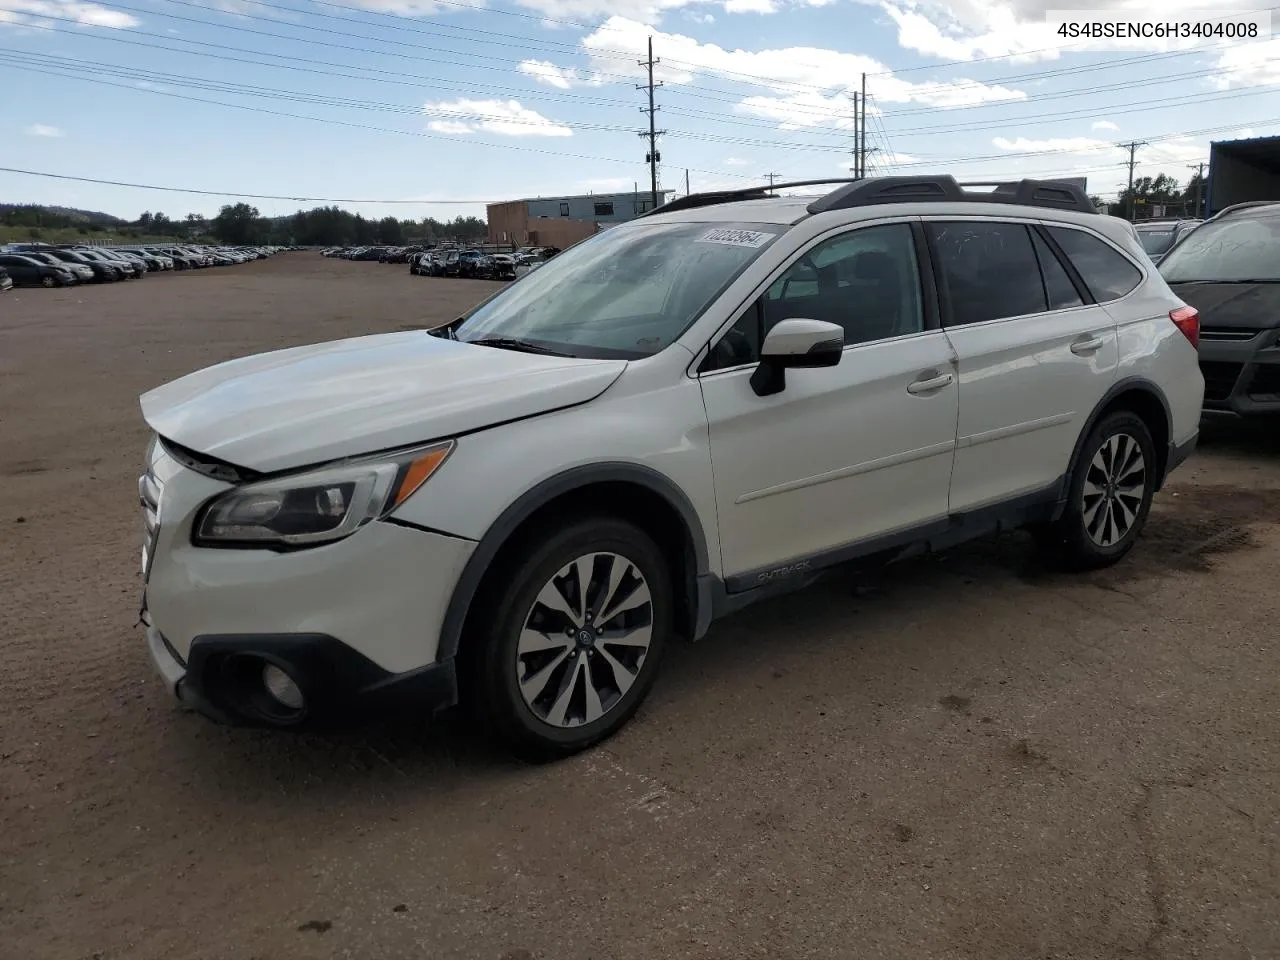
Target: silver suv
column 662, row 424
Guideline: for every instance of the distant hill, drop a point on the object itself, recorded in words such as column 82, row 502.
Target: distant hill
column 64, row 215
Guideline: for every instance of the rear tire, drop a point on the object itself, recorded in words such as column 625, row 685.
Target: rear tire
column 1109, row 496
column 560, row 664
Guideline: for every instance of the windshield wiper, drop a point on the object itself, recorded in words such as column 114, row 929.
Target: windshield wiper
column 515, row 343
column 449, row 331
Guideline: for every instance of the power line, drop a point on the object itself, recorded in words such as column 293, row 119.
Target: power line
column 53, row 66
column 363, row 126
column 1132, row 106
column 11, row 56
column 450, row 84
column 690, row 90
column 578, row 156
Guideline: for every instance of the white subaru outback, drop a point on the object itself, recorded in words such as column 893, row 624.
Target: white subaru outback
column 685, row 413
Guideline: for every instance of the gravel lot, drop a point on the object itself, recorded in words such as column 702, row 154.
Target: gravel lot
column 962, row 757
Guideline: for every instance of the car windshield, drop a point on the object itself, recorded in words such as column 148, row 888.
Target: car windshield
column 1156, row 242
column 1242, row 247
column 626, row 293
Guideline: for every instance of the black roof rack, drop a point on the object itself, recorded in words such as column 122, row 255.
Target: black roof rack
column 877, row 190
column 695, row 200
column 1026, row 193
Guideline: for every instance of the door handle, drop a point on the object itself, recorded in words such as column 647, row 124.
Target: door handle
column 931, row 384
column 1086, row 346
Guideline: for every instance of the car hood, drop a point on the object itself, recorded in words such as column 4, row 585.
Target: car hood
column 311, row 404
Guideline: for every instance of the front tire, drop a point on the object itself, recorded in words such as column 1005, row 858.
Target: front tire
column 578, row 625
column 1109, row 497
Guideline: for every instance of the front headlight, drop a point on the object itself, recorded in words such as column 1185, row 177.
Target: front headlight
column 317, row 507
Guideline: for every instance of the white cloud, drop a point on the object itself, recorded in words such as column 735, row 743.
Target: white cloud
column 1104, row 125
column 1056, row 144
column 806, row 86
column 704, row 18
column 1247, row 65
column 44, row 130
column 606, row 185
column 750, row 6
column 644, row 11
column 414, row 8
column 28, row 13
column 503, row 117
column 450, row 126
column 736, row 162
column 562, row 78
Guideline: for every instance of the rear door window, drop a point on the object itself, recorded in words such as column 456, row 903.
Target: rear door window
column 988, row 271
column 1107, row 273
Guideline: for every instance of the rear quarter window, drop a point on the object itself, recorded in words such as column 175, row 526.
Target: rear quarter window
column 1107, row 273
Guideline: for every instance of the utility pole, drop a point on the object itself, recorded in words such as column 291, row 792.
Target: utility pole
column 857, row 150
column 860, row 149
column 771, row 177
column 652, row 157
column 862, row 136
column 1199, row 169
column 686, row 181
column 1132, row 146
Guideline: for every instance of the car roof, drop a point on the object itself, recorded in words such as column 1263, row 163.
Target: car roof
column 869, row 197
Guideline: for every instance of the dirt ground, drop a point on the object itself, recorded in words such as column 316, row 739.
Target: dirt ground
column 963, row 757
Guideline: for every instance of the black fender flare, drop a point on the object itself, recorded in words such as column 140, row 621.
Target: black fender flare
column 1126, row 385
column 513, row 516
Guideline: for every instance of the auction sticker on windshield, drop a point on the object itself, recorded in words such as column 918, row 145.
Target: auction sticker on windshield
column 736, row 238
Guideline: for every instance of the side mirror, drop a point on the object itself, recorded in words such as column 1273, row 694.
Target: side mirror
column 796, row 344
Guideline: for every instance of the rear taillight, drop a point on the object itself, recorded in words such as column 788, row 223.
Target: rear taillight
column 1187, row 319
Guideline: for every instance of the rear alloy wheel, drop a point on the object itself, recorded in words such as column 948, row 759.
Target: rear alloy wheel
column 1110, row 494
column 573, row 646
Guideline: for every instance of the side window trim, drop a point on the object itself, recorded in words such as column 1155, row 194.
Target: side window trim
column 927, row 287
column 1077, row 281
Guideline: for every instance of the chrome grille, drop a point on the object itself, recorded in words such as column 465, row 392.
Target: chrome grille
column 149, row 488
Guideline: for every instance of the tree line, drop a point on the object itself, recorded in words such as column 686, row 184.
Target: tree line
column 1164, row 191
column 242, row 224
column 333, row 227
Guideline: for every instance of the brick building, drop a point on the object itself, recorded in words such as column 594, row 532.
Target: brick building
column 563, row 221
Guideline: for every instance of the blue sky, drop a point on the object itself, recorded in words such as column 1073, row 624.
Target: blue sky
column 449, row 104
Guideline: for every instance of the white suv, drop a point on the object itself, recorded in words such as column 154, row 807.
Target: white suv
column 666, row 422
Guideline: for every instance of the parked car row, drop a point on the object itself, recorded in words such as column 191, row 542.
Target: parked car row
column 479, row 265
column 64, row 265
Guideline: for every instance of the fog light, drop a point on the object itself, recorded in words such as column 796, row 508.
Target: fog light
column 281, row 687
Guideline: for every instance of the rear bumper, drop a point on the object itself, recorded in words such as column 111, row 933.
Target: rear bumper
column 1242, row 378
column 222, row 680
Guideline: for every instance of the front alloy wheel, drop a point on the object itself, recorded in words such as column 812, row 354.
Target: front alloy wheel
column 584, row 640
column 579, row 618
